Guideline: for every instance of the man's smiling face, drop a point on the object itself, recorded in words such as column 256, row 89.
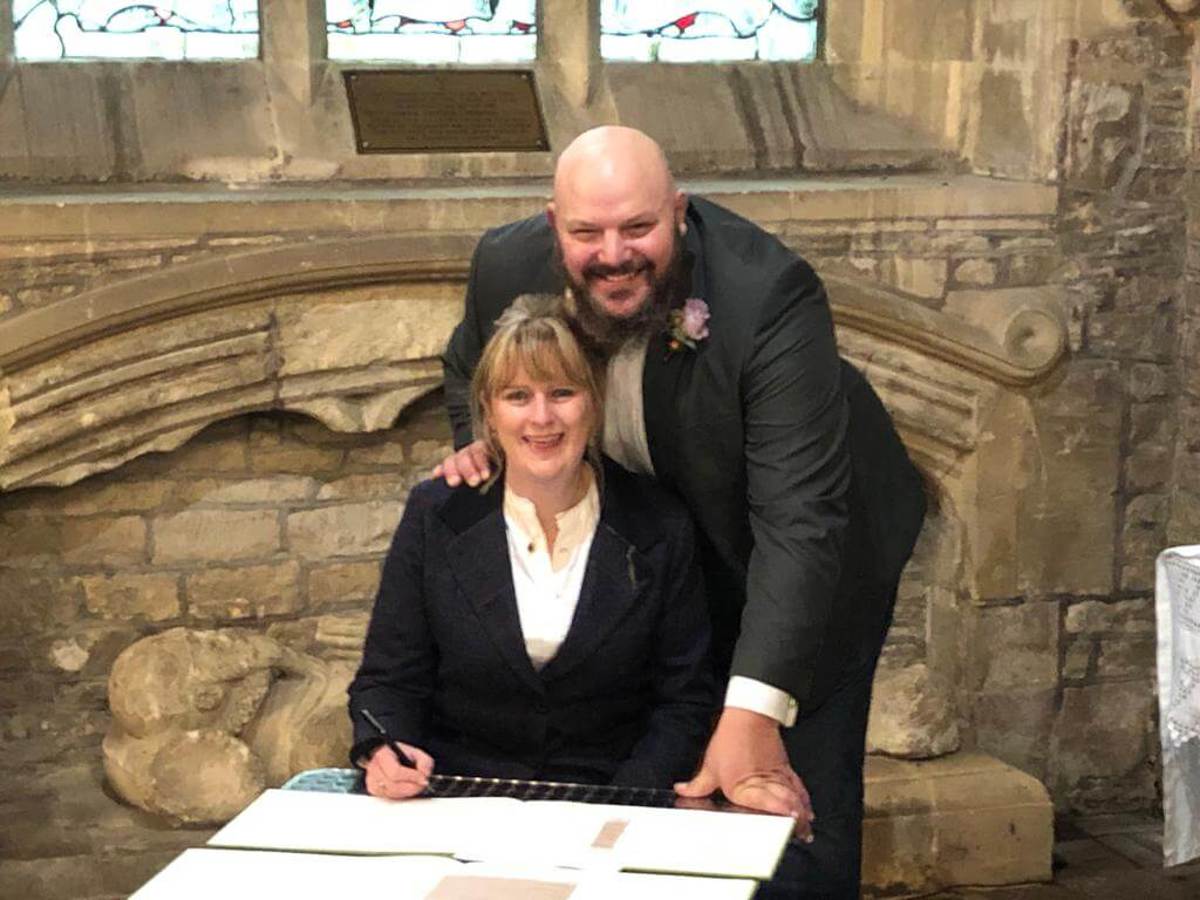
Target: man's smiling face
column 617, row 219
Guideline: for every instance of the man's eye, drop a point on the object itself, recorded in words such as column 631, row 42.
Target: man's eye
column 584, row 234
column 638, row 229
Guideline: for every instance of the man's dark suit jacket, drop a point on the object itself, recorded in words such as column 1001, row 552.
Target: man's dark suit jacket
column 807, row 504
column 628, row 699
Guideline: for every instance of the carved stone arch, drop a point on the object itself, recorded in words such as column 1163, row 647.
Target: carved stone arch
column 346, row 331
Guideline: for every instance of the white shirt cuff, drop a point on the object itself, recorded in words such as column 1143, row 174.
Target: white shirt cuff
column 760, row 697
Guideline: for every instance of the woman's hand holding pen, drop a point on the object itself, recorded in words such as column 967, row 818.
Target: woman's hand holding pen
column 388, row 777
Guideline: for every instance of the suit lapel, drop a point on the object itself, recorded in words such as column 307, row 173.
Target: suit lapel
column 609, row 590
column 666, row 373
column 479, row 558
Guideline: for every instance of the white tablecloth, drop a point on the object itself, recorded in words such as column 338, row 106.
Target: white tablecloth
column 1177, row 604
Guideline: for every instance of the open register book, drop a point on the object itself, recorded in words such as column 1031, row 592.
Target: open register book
column 507, row 831
column 205, row 873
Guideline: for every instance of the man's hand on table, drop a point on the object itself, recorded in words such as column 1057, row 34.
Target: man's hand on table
column 388, row 777
column 470, row 464
column 746, row 760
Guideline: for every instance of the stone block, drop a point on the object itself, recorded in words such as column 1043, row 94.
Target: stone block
column 219, row 448
column 44, row 295
column 976, row 273
column 1152, row 423
column 390, row 453
column 104, row 542
column 89, row 498
column 1149, row 381
column 428, row 452
column 1104, row 126
column 913, row 714
column 339, row 583
column 1126, row 657
column 1077, row 662
column 920, row 277
column 1103, row 730
column 964, row 819
column 1184, row 524
column 90, row 653
column 951, row 40
column 1015, row 647
column 215, row 535
column 353, row 529
column 372, row 486
column 1166, row 147
column 271, row 491
column 1136, row 334
column 1006, row 132
column 1144, row 535
column 151, row 596
column 1067, row 537
column 246, row 592
column 1148, row 467
column 33, row 601
column 274, row 450
column 1100, row 617
column 1015, row 725
column 372, row 327
column 1030, row 270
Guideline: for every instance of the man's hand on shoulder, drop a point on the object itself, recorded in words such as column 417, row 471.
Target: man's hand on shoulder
column 470, row 464
column 746, row 760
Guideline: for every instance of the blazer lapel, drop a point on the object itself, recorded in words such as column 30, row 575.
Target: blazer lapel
column 610, row 586
column 666, row 372
column 479, row 557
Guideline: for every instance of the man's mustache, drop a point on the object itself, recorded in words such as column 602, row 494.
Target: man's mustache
column 629, row 267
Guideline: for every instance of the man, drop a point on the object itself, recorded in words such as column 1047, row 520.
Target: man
column 806, row 503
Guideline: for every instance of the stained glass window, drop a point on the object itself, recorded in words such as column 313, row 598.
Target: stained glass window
column 433, row 31
column 708, row 30
column 164, row 29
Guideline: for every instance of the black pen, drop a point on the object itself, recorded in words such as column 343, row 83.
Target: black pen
column 387, row 738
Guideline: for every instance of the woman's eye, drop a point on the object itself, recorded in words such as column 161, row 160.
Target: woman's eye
column 514, row 396
column 564, row 393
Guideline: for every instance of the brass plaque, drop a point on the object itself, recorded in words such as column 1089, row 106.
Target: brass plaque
column 445, row 110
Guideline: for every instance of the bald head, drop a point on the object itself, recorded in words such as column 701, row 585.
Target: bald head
column 613, row 157
column 617, row 218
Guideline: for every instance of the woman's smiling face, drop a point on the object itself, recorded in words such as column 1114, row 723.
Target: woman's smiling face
column 543, row 428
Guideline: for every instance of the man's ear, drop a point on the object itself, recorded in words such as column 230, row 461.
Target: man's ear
column 550, row 214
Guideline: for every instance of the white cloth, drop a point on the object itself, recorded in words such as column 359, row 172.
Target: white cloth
column 548, row 584
column 1177, row 607
column 625, row 441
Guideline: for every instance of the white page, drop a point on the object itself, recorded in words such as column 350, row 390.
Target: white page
column 503, row 830
column 598, row 836
column 701, row 842
column 356, row 823
column 211, row 874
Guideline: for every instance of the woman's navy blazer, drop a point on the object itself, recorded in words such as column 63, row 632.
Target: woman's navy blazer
column 628, row 699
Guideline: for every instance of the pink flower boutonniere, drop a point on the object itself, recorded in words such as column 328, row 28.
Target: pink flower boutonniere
column 689, row 325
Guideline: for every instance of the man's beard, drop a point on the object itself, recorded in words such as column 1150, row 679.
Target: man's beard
column 603, row 334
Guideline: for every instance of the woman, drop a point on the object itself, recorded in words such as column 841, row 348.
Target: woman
column 550, row 625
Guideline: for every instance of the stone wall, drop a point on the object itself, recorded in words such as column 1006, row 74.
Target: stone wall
column 1124, row 226
column 269, row 522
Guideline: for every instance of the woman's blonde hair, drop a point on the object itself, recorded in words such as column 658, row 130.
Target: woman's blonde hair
column 532, row 334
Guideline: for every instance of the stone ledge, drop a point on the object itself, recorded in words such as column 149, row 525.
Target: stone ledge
column 48, row 213
column 964, row 819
